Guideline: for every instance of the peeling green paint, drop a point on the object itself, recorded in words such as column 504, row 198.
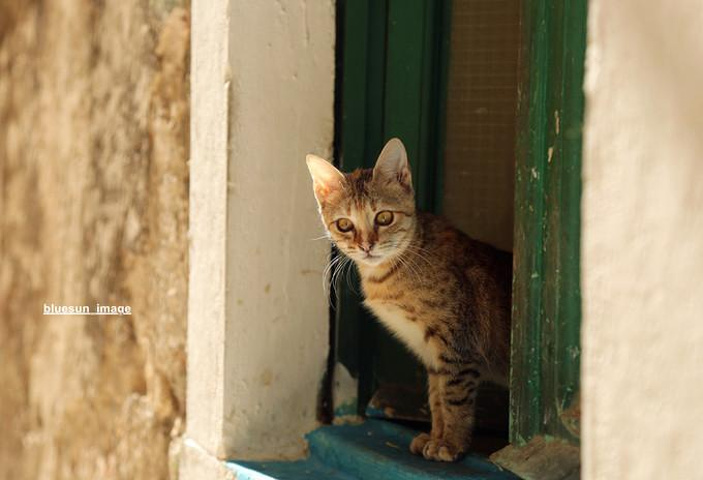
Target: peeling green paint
column 546, row 288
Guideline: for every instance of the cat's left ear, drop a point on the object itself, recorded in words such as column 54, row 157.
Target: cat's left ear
column 393, row 163
column 325, row 177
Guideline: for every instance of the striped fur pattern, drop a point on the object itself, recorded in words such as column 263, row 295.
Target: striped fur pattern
column 446, row 296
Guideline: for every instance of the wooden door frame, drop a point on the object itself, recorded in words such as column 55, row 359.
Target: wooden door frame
column 546, row 288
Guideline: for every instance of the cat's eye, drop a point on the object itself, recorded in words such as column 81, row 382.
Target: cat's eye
column 344, row 225
column 384, row 218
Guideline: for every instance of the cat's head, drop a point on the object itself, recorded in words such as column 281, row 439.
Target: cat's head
column 369, row 214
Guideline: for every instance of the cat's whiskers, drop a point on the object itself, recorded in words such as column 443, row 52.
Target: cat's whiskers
column 410, row 265
column 323, row 237
column 409, row 256
column 350, row 284
column 334, row 281
column 328, row 269
column 415, row 268
column 420, row 254
column 332, row 270
column 343, row 263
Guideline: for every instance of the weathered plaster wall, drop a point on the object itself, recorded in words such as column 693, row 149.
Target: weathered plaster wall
column 643, row 241
column 263, row 97
column 210, row 80
column 93, row 208
column 282, row 97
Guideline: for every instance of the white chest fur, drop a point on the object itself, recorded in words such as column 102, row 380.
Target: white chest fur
column 412, row 333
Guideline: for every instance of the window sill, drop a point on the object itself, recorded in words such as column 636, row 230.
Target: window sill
column 376, row 449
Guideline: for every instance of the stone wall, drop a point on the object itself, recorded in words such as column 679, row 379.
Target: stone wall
column 93, row 209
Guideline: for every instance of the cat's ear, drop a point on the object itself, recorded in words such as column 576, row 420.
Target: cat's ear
column 393, row 164
column 325, row 178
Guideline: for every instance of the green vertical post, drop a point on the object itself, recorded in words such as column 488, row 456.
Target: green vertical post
column 546, row 288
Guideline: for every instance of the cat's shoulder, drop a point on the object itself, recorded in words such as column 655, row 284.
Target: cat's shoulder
column 438, row 230
column 433, row 224
column 442, row 234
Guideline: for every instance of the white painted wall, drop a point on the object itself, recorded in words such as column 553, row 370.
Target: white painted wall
column 282, row 61
column 208, row 224
column 262, row 97
column 643, row 241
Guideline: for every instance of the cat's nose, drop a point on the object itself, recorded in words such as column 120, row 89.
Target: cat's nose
column 366, row 247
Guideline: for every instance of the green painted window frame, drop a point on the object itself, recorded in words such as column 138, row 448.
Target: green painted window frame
column 380, row 47
column 545, row 364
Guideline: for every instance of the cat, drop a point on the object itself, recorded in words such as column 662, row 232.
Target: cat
column 445, row 295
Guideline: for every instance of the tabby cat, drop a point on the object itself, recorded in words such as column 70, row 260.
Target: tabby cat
column 445, row 295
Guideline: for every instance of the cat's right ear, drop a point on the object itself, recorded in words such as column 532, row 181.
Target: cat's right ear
column 325, row 178
column 393, row 164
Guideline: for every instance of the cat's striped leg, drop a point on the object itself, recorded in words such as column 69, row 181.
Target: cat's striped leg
column 458, row 389
column 418, row 444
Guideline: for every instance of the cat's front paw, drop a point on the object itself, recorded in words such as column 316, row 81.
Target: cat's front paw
column 442, row 451
column 417, row 446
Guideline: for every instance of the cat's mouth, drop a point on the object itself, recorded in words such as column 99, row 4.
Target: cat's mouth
column 371, row 259
column 367, row 258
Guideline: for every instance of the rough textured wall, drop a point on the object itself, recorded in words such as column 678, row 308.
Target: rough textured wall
column 93, row 209
column 643, row 241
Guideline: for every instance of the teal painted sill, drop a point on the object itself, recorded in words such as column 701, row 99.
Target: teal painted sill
column 374, row 450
